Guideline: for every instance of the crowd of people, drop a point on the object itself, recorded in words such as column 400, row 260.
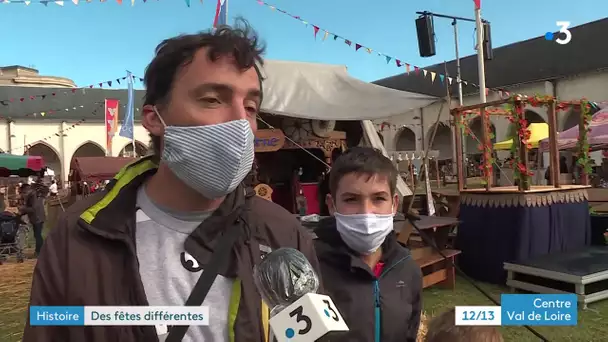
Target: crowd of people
column 148, row 239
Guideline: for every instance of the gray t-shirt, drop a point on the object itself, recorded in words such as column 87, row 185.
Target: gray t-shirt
column 169, row 273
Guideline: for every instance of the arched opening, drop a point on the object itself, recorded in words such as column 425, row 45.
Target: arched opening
column 49, row 154
column 477, row 132
column 573, row 117
column 531, row 117
column 89, row 149
column 140, row 150
column 442, row 141
column 406, row 140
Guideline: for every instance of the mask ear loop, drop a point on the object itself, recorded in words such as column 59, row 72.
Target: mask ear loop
column 160, row 117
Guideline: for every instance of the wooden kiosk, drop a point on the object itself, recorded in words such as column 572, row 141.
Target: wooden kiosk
column 514, row 223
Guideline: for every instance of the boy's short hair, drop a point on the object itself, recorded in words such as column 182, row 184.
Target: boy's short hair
column 364, row 161
column 443, row 329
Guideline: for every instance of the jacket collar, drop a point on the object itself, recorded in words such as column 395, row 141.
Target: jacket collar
column 337, row 252
column 111, row 216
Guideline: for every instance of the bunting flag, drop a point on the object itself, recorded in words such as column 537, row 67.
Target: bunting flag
column 67, row 91
column 477, row 4
column 75, row 2
column 398, row 62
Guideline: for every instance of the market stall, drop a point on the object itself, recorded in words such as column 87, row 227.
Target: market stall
column 311, row 112
column 513, row 223
column 22, row 166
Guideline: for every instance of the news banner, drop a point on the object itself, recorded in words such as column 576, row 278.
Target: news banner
column 515, row 309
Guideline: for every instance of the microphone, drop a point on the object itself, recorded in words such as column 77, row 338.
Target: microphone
column 288, row 285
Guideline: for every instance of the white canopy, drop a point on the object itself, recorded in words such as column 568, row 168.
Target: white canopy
column 328, row 92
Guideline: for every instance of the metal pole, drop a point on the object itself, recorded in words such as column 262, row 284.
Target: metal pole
column 226, row 14
column 480, row 60
column 460, row 103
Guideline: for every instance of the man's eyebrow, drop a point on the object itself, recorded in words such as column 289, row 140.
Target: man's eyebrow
column 221, row 88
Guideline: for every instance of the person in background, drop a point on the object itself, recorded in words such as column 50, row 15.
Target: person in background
column 53, row 190
column 166, row 217
column 443, row 329
column 33, row 207
column 371, row 277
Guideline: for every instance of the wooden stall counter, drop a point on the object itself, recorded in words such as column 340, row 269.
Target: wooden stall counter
column 435, row 268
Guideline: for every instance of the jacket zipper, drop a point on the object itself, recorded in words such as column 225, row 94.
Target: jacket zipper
column 377, row 310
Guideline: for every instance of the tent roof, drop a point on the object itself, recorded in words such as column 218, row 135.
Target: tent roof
column 538, row 132
column 328, row 92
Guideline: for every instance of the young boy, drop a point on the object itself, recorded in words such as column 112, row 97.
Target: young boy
column 443, row 329
column 371, row 278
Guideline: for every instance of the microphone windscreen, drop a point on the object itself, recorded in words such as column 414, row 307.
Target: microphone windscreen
column 283, row 276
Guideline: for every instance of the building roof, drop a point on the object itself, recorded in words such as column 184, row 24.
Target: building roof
column 528, row 61
column 66, row 104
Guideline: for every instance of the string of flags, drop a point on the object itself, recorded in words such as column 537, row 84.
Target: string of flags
column 75, row 2
column 67, row 91
column 317, row 30
column 47, row 112
column 59, row 133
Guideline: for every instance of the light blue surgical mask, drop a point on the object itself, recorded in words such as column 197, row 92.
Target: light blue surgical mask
column 211, row 159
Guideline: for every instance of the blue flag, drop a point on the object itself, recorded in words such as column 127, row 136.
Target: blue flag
column 126, row 130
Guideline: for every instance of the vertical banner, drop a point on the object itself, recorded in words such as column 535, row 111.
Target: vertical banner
column 111, row 110
column 126, row 130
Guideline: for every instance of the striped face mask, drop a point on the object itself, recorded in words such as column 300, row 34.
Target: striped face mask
column 212, row 159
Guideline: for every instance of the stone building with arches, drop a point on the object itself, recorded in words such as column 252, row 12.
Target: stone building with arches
column 63, row 123
column 533, row 67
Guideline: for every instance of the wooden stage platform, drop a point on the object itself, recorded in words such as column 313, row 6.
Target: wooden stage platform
column 584, row 273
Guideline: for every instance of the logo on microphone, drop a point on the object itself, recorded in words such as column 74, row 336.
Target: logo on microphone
column 189, row 263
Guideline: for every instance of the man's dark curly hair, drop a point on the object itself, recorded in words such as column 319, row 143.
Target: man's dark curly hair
column 240, row 42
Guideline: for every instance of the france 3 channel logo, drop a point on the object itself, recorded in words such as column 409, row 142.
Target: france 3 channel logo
column 563, row 36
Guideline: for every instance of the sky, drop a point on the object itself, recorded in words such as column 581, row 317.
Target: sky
column 98, row 41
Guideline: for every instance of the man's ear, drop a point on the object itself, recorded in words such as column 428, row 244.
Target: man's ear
column 151, row 122
column 395, row 203
column 331, row 206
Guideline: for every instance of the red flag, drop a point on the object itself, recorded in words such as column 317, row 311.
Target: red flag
column 477, row 4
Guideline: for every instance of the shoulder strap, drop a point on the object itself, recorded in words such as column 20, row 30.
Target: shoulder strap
column 210, row 272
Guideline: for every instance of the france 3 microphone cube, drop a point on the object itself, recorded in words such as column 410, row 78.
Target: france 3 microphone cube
column 307, row 319
column 523, row 309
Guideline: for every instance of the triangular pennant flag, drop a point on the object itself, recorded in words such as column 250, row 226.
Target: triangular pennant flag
column 348, row 42
column 424, row 72
column 335, row 37
column 45, row 3
column 133, row 2
column 441, row 78
column 465, row 83
column 27, row 3
column 119, row 2
column 357, row 47
column 388, row 59
column 188, row 3
column 433, row 76
column 398, row 62
column 110, row 83
column 450, row 80
column 325, row 35
column 417, row 70
column 75, row 2
column 368, row 50
column 316, row 30
column 60, row 3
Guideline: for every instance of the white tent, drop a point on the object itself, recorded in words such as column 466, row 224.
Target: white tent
column 328, row 92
